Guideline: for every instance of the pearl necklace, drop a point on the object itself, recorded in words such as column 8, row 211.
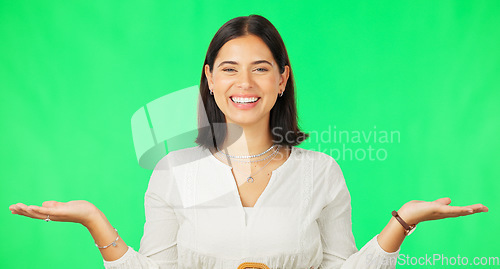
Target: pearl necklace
column 249, row 161
column 250, row 178
column 246, row 156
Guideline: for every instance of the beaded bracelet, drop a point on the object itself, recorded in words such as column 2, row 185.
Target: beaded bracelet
column 112, row 243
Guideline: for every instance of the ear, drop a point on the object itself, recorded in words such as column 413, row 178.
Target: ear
column 284, row 78
column 208, row 74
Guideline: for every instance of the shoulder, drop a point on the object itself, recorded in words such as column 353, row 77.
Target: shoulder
column 181, row 157
column 320, row 159
column 324, row 167
column 327, row 177
column 172, row 167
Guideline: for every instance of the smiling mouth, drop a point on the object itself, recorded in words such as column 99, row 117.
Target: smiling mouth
column 239, row 100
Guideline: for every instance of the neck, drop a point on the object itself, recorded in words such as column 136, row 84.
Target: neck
column 247, row 139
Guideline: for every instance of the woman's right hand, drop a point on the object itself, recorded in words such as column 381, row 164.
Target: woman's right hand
column 80, row 211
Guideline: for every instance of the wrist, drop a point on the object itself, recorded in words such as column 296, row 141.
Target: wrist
column 407, row 217
column 95, row 219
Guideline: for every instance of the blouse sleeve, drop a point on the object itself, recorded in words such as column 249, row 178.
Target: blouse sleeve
column 339, row 248
column 159, row 243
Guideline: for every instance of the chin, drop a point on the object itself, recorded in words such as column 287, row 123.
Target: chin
column 243, row 121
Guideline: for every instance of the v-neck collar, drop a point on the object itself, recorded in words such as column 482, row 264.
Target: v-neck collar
column 228, row 168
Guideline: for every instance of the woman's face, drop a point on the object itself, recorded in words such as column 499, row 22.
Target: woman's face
column 246, row 81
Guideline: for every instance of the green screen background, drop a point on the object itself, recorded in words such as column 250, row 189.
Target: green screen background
column 73, row 73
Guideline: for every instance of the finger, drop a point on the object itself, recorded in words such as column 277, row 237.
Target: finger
column 20, row 207
column 446, row 211
column 44, row 210
column 13, row 208
column 25, row 212
column 445, row 201
column 453, row 210
column 36, row 214
column 478, row 208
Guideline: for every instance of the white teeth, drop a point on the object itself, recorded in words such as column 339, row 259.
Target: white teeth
column 244, row 100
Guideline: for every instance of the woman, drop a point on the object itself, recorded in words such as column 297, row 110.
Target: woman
column 246, row 193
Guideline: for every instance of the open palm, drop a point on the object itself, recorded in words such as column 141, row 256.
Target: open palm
column 79, row 211
column 414, row 212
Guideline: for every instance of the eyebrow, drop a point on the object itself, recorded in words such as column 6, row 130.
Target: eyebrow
column 254, row 62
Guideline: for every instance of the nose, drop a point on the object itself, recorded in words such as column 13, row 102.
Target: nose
column 244, row 80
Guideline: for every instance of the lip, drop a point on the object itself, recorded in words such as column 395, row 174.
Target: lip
column 244, row 106
column 244, row 96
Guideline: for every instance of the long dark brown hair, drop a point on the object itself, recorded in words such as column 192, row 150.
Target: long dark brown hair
column 283, row 116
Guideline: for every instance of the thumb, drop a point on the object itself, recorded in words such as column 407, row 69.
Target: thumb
column 445, row 201
column 50, row 203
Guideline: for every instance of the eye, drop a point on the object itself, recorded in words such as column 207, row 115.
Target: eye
column 261, row 69
column 228, row 69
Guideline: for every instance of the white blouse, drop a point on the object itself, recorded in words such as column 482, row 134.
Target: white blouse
column 195, row 218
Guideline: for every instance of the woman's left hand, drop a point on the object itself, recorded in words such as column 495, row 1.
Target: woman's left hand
column 415, row 212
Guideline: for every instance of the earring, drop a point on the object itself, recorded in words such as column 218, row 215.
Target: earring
column 281, row 93
column 211, row 92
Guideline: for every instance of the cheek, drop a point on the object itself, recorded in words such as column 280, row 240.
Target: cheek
column 269, row 89
column 268, row 83
column 220, row 100
column 223, row 79
column 226, row 80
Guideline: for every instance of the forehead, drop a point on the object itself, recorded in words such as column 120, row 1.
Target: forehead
column 249, row 47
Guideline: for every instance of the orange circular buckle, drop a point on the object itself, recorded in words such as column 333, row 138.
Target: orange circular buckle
column 252, row 265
